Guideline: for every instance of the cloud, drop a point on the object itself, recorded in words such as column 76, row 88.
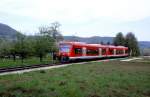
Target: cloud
column 94, row 17
column 78, row 10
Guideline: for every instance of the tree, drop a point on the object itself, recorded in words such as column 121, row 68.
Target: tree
column 52, row 31
column 30, row 41
column 21, row 46
column 53, row 36
column 132, row 44
column 55, row 31
column 13, row 50
column 4, row 48
column 119, row 39
column 43, row 45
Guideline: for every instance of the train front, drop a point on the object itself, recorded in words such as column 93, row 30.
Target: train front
column 64, row 52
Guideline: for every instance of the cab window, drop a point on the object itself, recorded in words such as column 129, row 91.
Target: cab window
column 64, row 48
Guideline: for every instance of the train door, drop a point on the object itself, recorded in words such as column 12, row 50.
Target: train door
column 114, row 51
column 100, row 51
column 84, row 51
column 107, row 51
column 124, row 51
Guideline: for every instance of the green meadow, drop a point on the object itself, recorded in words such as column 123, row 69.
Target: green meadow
column 94, row 79
column 28, row 61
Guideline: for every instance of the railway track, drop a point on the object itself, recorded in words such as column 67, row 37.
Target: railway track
column 30, row 67
column 18, row 68
column 27, row 67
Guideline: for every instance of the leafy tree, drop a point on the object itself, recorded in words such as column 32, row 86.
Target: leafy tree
column 132, row 44
column 4, row 48
column 43, row 45
column 21, row 46
column 13, row 50
column 119, row 39
column 30, row 41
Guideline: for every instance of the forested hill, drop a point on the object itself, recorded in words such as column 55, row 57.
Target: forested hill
column 7, row 32
column 94, row 39
column 144, row 44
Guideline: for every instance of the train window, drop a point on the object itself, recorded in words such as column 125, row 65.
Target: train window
column 126, row 51
column 92, row 52
column 119, row 52
column 64, row 48
column 78, row 50
column 103, row 51
column 111, row 51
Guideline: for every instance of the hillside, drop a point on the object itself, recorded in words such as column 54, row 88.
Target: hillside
column 7, row 32
column 144, row 44
column 94, row 39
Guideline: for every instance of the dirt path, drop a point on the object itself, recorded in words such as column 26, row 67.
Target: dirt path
column 135, row 58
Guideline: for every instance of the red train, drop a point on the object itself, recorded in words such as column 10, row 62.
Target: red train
column 79, row 50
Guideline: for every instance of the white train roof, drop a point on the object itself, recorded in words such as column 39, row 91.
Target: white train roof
column 85, row 44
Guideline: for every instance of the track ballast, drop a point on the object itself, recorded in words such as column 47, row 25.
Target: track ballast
column 10, row 69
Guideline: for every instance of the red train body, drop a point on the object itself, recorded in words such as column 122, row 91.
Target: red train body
column 78, row 50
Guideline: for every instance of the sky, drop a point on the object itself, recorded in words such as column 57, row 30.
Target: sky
column 83, row 18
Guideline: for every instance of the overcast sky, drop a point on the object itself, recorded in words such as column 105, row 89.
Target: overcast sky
column 79, row 17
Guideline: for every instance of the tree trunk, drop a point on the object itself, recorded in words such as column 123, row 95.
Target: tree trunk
column 22, row 57
column 131, row 53
column 14, row 57
column 41, row 57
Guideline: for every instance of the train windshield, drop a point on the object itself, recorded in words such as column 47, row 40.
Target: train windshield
column 64, row 48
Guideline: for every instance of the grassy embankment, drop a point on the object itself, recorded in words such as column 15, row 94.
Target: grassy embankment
column 27, row 61
column 103, row 79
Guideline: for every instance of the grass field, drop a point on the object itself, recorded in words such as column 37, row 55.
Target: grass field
column 18, row 62
column 102, row 79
